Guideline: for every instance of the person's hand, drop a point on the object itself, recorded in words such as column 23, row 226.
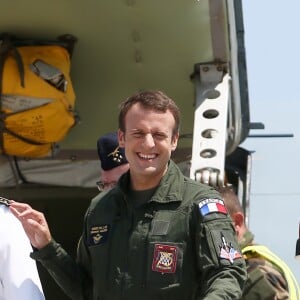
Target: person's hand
column 33, row 222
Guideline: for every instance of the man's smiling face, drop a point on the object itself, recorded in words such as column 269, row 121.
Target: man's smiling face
column 148, row 141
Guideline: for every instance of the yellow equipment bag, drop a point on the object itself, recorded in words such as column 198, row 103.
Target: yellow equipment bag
column 37, row 97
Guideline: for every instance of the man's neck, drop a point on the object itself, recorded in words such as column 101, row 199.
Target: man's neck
column 140, row 183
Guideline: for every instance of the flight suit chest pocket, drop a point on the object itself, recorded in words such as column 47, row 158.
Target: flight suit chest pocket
column 164, row 265
column 98, row 243
column 166, row 247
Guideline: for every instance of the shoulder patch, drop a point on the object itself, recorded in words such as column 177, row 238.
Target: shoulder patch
column 4, row 201
column 227, row 250
column 212, row 205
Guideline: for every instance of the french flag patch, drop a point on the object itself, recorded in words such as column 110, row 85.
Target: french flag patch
column 208, row 206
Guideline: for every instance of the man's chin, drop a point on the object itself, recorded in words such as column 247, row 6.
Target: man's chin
column 150, row 170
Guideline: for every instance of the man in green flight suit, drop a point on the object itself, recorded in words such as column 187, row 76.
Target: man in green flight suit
column 156, row 234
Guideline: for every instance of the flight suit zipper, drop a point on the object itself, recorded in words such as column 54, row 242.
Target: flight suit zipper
column 128, row 232
column 148, row 217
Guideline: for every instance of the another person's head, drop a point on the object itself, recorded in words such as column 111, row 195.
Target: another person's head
column 234, row 209
column 149, row 131
column 112, row 159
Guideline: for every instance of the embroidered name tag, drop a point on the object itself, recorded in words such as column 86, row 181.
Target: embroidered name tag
column 164, row 258
column 98, row 234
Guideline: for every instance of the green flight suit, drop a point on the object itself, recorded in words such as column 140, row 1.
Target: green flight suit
column 170, row 247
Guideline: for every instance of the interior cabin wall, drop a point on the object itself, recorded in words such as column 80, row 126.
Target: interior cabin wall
column 123, row 46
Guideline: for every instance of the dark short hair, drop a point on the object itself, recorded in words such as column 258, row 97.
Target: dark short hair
column 151, row 99
column 231, row 199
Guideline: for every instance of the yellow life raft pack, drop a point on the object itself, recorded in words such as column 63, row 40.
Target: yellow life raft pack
column 37, row 97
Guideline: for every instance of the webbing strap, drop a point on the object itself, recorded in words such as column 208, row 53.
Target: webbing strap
column 24, row 139
column 263, row 251
column 7, row 48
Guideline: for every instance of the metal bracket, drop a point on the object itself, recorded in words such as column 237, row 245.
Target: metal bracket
column 210, row 124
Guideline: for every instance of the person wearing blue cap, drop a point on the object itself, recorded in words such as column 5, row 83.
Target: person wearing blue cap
column 113, row 161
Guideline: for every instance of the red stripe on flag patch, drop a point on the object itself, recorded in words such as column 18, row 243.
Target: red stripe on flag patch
column 208, row 206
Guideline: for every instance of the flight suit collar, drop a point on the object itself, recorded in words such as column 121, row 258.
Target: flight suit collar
column 246, row 240
column 170, row 188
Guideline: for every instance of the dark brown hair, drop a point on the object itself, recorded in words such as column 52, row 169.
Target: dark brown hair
column 152, row 100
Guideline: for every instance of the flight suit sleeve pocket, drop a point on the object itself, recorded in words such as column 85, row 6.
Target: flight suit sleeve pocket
column 164, row 264
column 223, row 243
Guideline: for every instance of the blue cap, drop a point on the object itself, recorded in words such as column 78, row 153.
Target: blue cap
column 109, row 152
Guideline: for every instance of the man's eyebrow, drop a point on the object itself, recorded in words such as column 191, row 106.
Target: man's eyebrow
column 136, row 131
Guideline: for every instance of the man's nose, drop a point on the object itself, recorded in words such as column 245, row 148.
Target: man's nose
column 149, row 140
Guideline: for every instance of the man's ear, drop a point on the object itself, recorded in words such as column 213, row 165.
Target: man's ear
column 121, row 138
column 238, row 220
column 174, row 142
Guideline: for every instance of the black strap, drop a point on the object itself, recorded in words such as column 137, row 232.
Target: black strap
column 3, row 129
